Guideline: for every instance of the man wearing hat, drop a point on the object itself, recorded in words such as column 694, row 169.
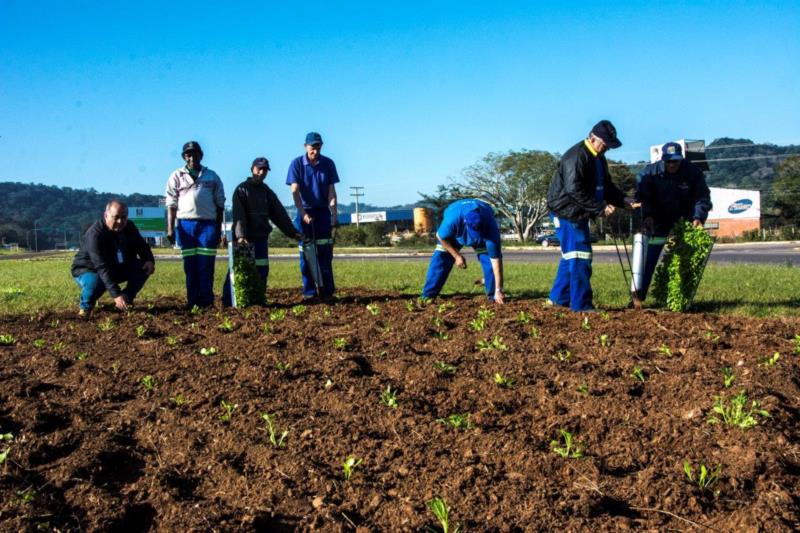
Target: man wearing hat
column 669, row 190
column 581, row 190
column 468, row 222
column 195, row 198
column 312, row 178
column 254, row 206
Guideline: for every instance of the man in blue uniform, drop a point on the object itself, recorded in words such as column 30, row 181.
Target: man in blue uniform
column 467, row 222
column 312, row 178
column 581, row 189
column 669, row 190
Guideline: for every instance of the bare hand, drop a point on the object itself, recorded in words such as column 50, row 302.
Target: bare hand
column 242, row 240
column 697, row 224
column 460, row 261
column 609, row 210
column 631, row 203
column 121, row 302
column 307, row 218
column 499, row 297
column 149, row 267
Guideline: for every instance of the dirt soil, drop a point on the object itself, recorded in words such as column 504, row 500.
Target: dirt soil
column 94, row 450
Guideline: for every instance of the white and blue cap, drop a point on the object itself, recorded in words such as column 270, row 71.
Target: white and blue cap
column 671, row 152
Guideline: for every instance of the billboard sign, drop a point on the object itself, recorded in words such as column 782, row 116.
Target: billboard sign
column 149, row 220
column 375, row 216
column 734, row 203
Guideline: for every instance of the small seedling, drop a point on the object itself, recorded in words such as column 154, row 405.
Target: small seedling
column 603, row 339
column 298, row 309
column 283, row 366
column 438, row 321
column 81, row 356
column 115, row 368
column 172, row 341
column 563, row 356
column 266, row 328
column 228, row 409
column 570, row 449
column 477, row 325
column 55, row 323
column 179, row 400
column 226, row 324
column 495, row 344
column 277, row 315
column 728, row 377
column 106, row 325
column 389, row 397
column 444, row 368
column 485, row 314
column 57, row 347
column 410, row 306
column 664, row 350
column 39, row 343
column 274, row 439
column 148, row 382
column 535, row 333
column 796, row 342
column 638, row 374
column 340, row 343
column 585, row 323
column 457, row 420
column 771, row 361
column 735, row 412
column 373, row 309
column 196, row 309
column 141, row 331
column 706, row 478
column 438, row 506
column 604, row 315
column 442, row 336
column 7, row 340
column 26, row 496
column 504, row 382
column 524, row 318
column 443, row 308
column 208, row 351
column 711, row 336
column 5, row 438
column 583, row 388
column 349, row 465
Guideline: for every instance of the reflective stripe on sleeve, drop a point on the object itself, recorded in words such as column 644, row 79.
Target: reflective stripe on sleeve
column 577, row 255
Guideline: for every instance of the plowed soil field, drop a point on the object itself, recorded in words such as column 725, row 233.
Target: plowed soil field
column 91, row 448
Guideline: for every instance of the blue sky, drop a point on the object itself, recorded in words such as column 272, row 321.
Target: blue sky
column 94, row 94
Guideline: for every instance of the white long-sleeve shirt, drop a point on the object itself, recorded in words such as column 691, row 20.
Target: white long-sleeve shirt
column 195, row 199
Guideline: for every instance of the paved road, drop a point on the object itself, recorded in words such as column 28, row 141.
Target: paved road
column 779, row 253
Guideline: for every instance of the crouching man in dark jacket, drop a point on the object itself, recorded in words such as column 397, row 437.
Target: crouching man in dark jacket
column 254, row 206
column 113, row 252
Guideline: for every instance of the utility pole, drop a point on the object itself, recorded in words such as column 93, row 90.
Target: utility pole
column 357, row 194
column 35, row 235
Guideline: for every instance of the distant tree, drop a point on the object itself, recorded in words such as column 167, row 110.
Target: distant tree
column 786, row 191
column 514, row 183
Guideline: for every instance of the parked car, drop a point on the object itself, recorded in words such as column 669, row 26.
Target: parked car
column 547, row 239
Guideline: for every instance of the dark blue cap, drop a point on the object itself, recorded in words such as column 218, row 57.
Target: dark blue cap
column 472, row 222
column 260, row 162
column 671, row 152
column 192, row 146
column 606, row 131
column 313, row 138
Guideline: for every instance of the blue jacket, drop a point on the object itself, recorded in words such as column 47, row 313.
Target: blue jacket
column 669, row 197
column 453, row 226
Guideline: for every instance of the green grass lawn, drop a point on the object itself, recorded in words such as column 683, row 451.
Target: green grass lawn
column 31, row 285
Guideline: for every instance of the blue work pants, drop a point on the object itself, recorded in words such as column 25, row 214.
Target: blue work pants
column 321, row 231
column 572, row 287
column 198, row 240
column 441, row 265
column 655, row 245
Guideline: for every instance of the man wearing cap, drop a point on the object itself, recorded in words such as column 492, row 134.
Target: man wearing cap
column 312, row 178
column 113, row 252
column 669, row 190
column 581, row 190
column 196, row 199
column 468, row 222
column 254, row 205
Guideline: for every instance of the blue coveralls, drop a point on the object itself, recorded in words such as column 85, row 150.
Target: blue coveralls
column 572, row 286
column 314, row 183
column 453, row 229
column 198, row 241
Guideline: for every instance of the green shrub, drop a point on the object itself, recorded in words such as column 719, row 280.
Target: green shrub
column 678, row 274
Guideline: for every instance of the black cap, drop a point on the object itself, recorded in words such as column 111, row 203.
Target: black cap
column 606, row 131
column 192, row 146
column 260, row 162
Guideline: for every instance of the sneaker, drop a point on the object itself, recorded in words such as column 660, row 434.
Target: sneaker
column 551, row 303
column 83, row 314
